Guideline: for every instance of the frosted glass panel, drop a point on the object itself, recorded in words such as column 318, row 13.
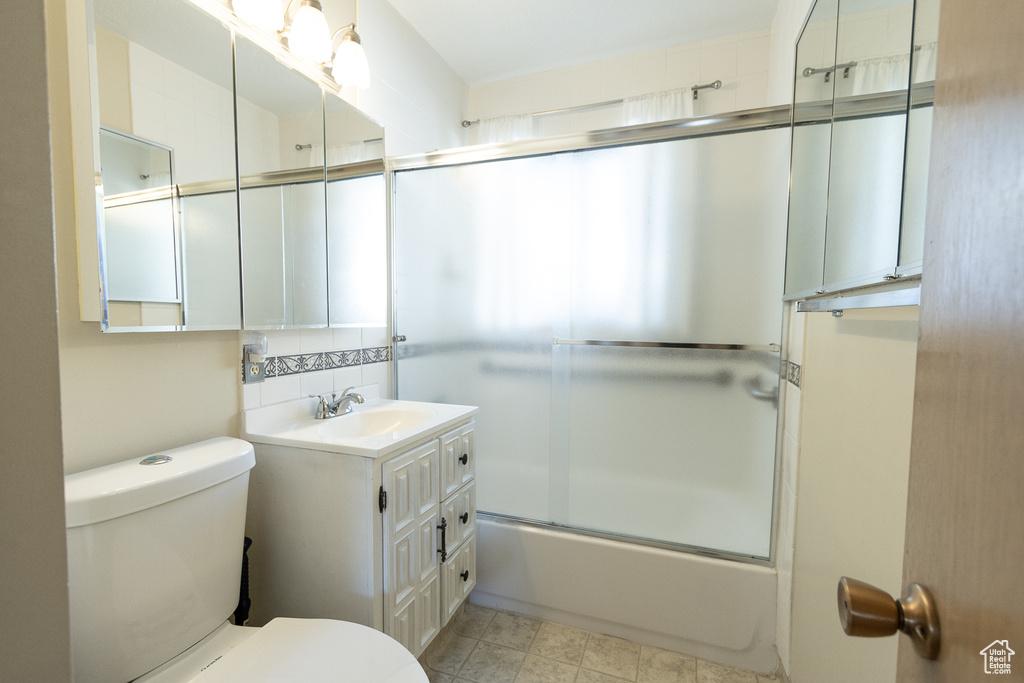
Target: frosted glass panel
column 680, row 241
column 209, row 225
column 357, row 245
column 673, row 445
column 808, row 203
column 677, row 241
column 140, row 252
column 481, row 283
column 862, row 237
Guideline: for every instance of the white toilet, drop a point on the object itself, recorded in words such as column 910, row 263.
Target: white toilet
column 154, row 565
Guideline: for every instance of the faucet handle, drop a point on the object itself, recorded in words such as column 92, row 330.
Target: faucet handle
column 322, row 409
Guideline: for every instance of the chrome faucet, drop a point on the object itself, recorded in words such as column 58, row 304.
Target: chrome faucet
column 347, row 398
column 332, row 407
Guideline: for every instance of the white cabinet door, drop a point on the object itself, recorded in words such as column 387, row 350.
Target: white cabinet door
column 459, row 576
column 410, row 570
column 457, row 464
column 460, row 513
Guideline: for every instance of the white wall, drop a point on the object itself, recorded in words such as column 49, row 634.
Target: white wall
column 857, row 389
column 739, row 61
column 416, row 96
column 33, row 562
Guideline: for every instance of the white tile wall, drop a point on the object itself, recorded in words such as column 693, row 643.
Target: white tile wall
column 739, row 61
column 195, row 117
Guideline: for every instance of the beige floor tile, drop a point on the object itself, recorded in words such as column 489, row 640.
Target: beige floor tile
column 613, row 656
column 542, row 670
column 709, row 672
column 472, row 620
column 511, row 630
column 448, row 652
column 438, row 677
column 588, row 676
column 761, row 678
column 662, row 666
column 490, row 663
column 563, row 643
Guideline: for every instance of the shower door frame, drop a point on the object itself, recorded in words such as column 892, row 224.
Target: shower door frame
column 751, row 120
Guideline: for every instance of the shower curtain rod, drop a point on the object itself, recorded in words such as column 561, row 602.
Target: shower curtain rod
column 695, row 88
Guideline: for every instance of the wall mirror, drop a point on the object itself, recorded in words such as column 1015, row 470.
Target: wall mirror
column 849, row 220
column 174, row 253
column 282, row 206
column 812, row 136
column 169, row 250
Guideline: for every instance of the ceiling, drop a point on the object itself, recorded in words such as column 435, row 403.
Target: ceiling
column 487, row 40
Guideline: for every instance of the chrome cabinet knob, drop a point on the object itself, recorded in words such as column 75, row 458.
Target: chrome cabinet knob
column 870, row 612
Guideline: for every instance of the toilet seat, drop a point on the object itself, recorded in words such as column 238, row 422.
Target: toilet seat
column 307, row 650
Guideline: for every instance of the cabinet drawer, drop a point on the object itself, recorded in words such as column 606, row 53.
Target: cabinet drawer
column 460, row 512
column 458, row 577
column 457, row 461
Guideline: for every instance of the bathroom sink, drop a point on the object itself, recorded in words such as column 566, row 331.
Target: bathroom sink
column 373, row 429
column 375, row 419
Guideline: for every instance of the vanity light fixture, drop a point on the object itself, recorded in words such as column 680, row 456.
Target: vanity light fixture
column 265, row 15
column 350, row 66
column 309, row 37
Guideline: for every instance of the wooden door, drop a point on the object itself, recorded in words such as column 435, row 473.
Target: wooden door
column 965, row 527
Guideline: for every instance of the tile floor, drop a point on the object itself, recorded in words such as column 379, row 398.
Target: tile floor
column 482, row 645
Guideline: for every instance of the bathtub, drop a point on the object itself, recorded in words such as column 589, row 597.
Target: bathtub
column 712, row 608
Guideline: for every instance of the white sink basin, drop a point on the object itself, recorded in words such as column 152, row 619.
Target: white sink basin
column 373, row 420
column 373, row 429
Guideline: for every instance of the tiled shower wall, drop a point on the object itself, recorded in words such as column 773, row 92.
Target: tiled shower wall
column 319, row 361
column 739, row 61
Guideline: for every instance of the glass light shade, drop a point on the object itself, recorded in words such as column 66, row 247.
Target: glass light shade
column 309, row 37
column 263, row 14
column 350, row 66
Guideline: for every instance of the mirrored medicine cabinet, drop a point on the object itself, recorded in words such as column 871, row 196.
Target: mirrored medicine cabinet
column 863, row 93
column 235, row 192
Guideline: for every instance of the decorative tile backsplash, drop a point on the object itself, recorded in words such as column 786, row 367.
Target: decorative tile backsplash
column 281, row 366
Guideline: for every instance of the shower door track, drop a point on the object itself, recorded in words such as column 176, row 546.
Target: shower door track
column 622, row 538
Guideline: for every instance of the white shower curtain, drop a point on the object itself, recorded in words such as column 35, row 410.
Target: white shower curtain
column 667, row 105
column 505, row 129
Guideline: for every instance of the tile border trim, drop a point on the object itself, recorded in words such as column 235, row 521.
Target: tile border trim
column 793, row 374
column 297, row 364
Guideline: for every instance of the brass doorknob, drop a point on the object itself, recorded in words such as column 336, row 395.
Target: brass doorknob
column 871, row 612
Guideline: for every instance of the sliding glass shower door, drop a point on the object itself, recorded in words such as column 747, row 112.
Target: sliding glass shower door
column 616, row 315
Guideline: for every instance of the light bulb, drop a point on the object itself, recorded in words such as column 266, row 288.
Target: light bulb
column 308, row 36
column 350, row 66
column 263, row 14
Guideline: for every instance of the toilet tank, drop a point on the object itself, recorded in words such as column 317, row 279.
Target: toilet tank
column 154, row 555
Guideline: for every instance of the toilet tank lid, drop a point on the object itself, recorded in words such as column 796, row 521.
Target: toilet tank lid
column 129, row 486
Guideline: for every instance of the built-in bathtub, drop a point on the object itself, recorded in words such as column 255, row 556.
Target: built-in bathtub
column 715, row 609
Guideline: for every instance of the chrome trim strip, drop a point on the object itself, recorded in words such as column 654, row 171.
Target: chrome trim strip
column 773, row 348
column 910, row 296
column 736, row 122
column 270, row 179
column 512, row 520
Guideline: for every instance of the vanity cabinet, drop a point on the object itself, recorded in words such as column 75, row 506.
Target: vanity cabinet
column 388, row 542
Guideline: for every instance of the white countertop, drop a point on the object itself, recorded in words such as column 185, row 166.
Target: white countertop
column 292, row 424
